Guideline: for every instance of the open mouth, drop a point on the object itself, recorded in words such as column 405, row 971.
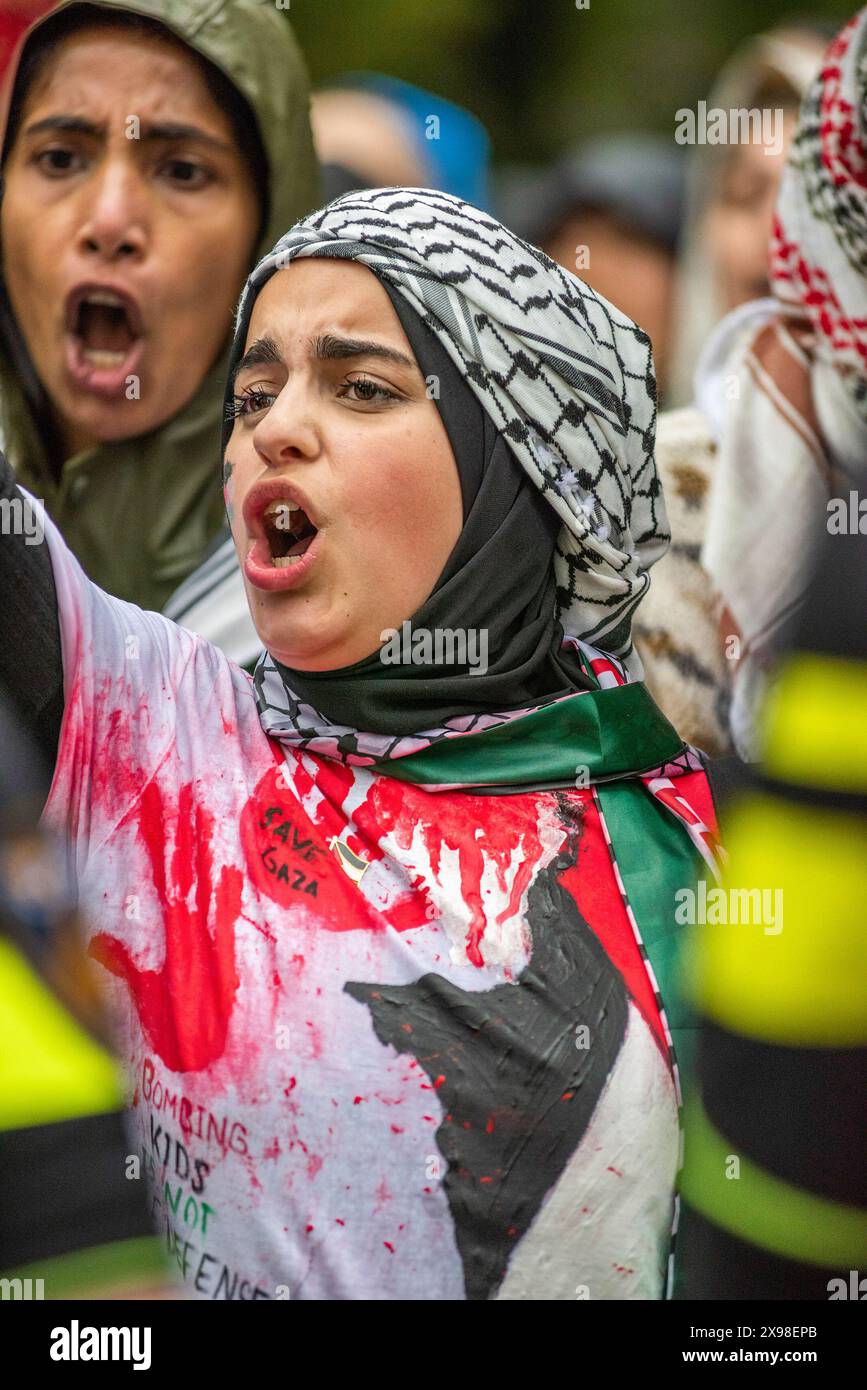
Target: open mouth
column 104, row 329
column 289, row 532
column 286, row 540
column 105, row 336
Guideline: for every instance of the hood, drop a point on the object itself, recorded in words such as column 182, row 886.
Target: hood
column 252, row 43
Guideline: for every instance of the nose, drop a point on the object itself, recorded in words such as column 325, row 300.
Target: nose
column 114, row 223
column 289, row 431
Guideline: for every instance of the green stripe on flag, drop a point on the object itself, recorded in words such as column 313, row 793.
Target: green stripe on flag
column 656, row 858
column 605, row 733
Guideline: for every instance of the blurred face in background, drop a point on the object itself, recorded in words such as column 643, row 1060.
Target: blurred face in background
column 366, row 134
column 127, row 224
column 632, row 271
column 740, row 218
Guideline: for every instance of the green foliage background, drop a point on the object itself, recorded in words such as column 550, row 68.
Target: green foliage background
column 542, row 73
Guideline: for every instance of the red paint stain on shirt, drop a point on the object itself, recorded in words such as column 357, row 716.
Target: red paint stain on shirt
column 287, row 855
column 185, row 1006
column 480, row 831
column 315, row 1039
column 383, row 1195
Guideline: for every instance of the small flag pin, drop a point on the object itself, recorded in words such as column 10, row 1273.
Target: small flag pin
column 351, row 863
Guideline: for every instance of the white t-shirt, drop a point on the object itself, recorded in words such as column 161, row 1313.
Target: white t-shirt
column 382, row 1043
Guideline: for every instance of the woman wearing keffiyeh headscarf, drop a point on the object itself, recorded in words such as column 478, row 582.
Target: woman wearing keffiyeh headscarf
column 794, row 436
column 391, row 928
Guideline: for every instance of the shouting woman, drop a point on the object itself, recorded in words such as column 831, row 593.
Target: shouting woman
column 390, row 928
column 152, row 153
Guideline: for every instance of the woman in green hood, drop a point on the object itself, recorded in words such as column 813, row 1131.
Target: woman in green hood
column 151, row 152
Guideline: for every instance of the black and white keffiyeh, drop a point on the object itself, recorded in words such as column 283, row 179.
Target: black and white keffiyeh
column 565, row 377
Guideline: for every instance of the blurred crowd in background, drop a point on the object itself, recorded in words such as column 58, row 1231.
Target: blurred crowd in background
column 562, row 124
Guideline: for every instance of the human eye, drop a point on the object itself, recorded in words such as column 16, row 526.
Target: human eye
column 186, row 173
column 58, row 160
column 366, row 391
column 249, row 402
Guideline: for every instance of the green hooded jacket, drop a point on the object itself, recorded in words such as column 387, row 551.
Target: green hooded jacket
column 140, row 513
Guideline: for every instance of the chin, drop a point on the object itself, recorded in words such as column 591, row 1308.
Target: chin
column 306, row 652
column 305, row 660
column 110, row 424
column 300, row 632
column 116, row 431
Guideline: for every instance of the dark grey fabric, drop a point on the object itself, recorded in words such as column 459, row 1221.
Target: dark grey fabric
column 31, row 662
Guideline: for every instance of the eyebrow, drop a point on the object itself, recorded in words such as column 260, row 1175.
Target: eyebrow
column 263, row 353
column 330, row 347
column 327, row 347
column 152, row 130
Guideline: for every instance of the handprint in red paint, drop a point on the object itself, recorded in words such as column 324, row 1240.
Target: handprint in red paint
column 185, row 1006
